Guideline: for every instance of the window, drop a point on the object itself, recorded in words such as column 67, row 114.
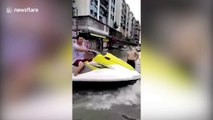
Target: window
column 91, row 2
column 96, row 6
column 100, row 10
column 113, row 1
column 95, row 15
column 112, row 9
column 91, row 12
column 100, row 18
column 96, row 2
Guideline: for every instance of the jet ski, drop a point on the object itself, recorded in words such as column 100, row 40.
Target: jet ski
column 104, row 71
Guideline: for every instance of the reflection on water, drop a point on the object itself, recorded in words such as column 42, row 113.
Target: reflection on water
column 126, row 99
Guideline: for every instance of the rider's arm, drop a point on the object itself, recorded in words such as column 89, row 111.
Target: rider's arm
column 136, row 55
column 127, row 56
column 80, row 49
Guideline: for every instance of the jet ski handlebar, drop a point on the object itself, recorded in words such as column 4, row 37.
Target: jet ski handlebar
column 93, row 52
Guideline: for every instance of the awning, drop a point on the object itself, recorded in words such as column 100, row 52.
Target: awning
column 106, row 40
column 96, row 35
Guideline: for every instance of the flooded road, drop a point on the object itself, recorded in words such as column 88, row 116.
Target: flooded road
column 122, row 55
column 120, row 104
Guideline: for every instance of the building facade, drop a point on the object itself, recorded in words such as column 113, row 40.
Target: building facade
column 119, row 15
column 133, row 21
column 112, row 13
column 136, row 32
column 100, row 21
column 93, row 21
column 130, row 25
column 127, row 21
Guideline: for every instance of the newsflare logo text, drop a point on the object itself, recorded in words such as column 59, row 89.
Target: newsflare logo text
column 22, row 10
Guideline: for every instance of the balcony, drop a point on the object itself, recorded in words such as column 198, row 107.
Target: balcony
column 90, row 24
column 136, row 35
column 104, row 4
column 137, row 29
column 105, row 7
column 137, row 22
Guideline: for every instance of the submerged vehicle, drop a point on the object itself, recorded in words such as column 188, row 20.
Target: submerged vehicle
column 105, row 71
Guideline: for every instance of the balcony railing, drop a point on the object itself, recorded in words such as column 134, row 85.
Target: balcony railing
column 105, row 7
column 92, row 24
column 104, row 3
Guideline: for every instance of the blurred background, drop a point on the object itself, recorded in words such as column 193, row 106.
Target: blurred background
column 176, row 59
column 36, row 55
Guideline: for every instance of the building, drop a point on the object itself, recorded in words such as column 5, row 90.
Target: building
column 140, row 39
column 133, row 20
column 112, row 13
column 121, row 13
column 127, row 21
column 129, row 35
column 101, row 21
column 93, row 16
column 74, row 14
column 136, row 32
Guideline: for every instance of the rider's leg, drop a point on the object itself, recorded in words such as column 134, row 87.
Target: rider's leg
column 79, row 68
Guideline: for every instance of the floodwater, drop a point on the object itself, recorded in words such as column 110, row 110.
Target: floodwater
column 120, row 104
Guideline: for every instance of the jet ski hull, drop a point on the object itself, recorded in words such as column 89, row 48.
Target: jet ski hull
column 105, row 72
column 97, row 85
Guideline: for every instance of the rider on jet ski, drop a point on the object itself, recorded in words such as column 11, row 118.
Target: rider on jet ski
column 79, row 55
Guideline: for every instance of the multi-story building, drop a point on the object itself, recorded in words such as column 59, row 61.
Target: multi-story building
column 99, row 20
column 112, row 13
column 93, row 19
column 98, row 9
column 121, row 15
column 133, row 27
column 140, row 38
column 74, row 19
column 129, row 35
column 127, row 21
column 136, row 31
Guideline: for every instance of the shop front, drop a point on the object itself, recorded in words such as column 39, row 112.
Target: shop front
column 96, row 41
column 94, row 31
column 105, row 43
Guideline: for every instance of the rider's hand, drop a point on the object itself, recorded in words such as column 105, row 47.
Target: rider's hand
column 90, row 51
